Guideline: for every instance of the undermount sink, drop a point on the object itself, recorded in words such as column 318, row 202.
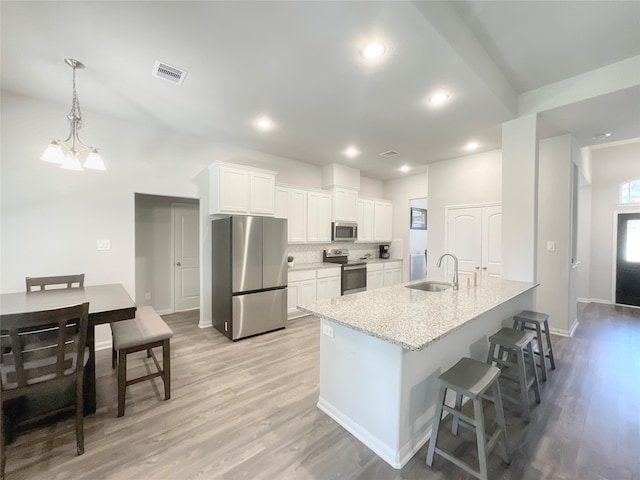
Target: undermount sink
column 430, row 286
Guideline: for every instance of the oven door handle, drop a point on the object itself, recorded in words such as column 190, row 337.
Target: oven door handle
column 354, row 267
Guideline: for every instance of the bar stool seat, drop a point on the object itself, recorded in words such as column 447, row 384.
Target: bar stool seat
column 470, row 378
column 144, row 332
column 539, row 323
column 513, row 344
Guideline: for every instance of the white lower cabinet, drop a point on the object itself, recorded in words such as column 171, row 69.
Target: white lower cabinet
column 301, row 289
column 329, row 283
column 307, row 286
column 392, row 273
column 375, row 276
column 384, row 274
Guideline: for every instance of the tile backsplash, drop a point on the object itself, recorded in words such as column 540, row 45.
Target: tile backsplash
column 312, row 253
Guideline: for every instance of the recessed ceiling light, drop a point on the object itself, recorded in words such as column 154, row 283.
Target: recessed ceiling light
column 471, row 146
column 351, row 152
column 404, row 168
column 601, row 136
column 264, row 123
column 373, row 51
column 438, row 98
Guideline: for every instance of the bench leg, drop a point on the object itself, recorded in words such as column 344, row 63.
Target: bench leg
column 166, row 367
column 122, row 380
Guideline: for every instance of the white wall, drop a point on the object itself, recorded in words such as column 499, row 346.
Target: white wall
column 584, row 242
column 469, row 180
column 555, row 295
column 370, row 187
column 611, row 166
column 400, row 191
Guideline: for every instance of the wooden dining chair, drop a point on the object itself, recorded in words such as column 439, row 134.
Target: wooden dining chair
column 35, row 364
column 35, row 284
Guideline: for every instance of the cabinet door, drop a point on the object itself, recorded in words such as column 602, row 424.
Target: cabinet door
column 293, row 294
column 233, row 190
column 318, row 217
column 345, row 204
column 375, row 279
column 291, row 204
column 307, row 292
column 382, row 226
column 262, row 193
column 392, row 277
column 328, row 288
column 365, row 220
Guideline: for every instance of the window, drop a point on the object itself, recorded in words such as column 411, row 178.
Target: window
column 630, row 192
column 633, row 241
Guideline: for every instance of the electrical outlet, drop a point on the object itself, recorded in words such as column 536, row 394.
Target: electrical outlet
column 327, row 330
column 147, row 296
column 103, row 245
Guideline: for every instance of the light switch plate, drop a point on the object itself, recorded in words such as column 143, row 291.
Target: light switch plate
column 551, row 246
column 103, row 245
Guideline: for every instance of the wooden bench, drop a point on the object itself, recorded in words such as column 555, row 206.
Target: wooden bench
column 145, row 332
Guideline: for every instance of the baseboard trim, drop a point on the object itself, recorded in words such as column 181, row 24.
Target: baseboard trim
column 601, row 300
column 381, row 449
column 565, row 333
column 205, row 325
column 584, row 300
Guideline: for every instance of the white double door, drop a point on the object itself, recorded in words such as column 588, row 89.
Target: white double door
column 474, row 235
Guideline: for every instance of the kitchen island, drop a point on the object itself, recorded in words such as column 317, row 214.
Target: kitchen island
column 381, row 353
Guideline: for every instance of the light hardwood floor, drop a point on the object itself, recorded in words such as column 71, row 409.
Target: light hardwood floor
column 246, row 410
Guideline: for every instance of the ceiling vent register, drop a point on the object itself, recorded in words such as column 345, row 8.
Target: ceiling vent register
column 167, row 72
column 389, row 153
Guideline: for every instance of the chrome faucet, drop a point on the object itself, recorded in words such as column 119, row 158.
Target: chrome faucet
column 455, row 267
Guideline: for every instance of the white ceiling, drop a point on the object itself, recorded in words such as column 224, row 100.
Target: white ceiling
column 298, row 62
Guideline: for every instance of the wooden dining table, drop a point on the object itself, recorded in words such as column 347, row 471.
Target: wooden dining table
column 107, row 304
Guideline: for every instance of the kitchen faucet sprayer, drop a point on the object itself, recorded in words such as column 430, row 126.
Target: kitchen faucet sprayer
column 455, row 267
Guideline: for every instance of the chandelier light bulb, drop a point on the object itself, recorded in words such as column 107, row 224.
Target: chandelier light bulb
column 94, row 161
column 71, row 162
column 53, row 153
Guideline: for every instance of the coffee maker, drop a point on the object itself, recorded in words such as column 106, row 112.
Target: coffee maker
column 384, row 251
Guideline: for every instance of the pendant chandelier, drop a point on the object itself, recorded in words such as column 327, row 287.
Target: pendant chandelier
column 69, row 152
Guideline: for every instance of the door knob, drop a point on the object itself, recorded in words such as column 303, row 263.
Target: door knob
column 179, row 264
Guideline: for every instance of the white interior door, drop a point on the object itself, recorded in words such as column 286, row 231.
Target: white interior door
column 186, row 233
column 464, row 227
column 492, row 240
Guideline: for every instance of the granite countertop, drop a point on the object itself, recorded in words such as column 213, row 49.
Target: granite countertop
column 413, row 318
column 380, row 260
column 312, row 266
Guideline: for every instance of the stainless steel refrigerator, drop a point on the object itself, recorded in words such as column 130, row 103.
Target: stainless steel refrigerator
column 249, row 269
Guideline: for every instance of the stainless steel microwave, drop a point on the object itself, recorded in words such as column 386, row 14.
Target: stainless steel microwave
column 344, row 231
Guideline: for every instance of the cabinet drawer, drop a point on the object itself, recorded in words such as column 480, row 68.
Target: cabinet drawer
column 329, row 272
column 392, row 265
column 374, row 267
column 300, row 275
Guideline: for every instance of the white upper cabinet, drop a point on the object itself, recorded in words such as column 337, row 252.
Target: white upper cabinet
column 345, row 204
column 291, row 203
column 365, row 220
column 383, row 221
column 375, row 220
column 318, row 217
column 241, row 190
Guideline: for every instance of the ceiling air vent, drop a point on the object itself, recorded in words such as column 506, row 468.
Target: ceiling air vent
column 389, row 153
column 169, row 73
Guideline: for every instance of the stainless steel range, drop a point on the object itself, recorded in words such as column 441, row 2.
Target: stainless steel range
column 354, row 274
